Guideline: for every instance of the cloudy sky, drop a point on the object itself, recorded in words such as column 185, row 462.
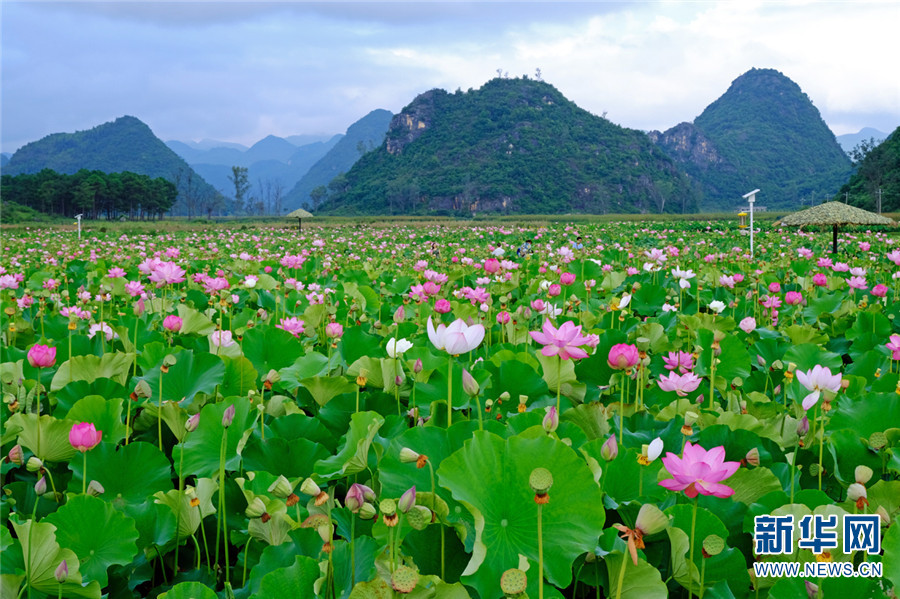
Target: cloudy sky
column 238, row 71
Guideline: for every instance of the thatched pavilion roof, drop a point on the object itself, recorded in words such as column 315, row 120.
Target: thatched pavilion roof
column 298, row 213
column 834, row 213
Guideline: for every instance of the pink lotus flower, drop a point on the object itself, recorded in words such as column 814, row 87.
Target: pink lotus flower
column 820, row 280
column 894, row 346
column 793, row 298
column 699, row 471
column 172, row 323
column 857, row 282
column 116, row 273
column 334, row 330
column 681, row 361
column 492, row 266
column 221, row 339
column 623, row 356
column 442, row 306
column 167, row 273
column 84, row 437
column 774, row 287
column 567, row 278
column 748, row 325
column 680, row 384
column 456, row 339
column 564, row 342
column 538, row 305
column 879, row 290
column 42, row 356
column 816, row 380
column 292, row 325
column 824, row 262
column 503, row 317
column 554, row 290
column 134, row 288
column 894, row 257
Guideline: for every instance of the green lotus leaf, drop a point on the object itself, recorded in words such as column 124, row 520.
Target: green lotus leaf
column 490, row 475
column 192, row 373
column 193, row 322
column 43, row 555
column 353, row 456
column 556, row 372
column 189, row 590
column 865, row 415
column 310, row 365
column 728, row 565
column 324, row 389
column 201, row 448
column 187, row 517
column 129, row 474
column 270, row 347
column 516, row 378
column 294, row 458
column 240, row 377
column 750, row 485
column 98, row 534
column 891, row 546
column 45, row 436
column 366, row 551
column 297, row 580
column 68, row 395
column 104, row 414
column 372, row 369
column 113, row 365
column 642, row 581
column 357, row 343
column 807, row 355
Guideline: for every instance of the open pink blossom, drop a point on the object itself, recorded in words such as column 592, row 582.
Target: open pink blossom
column 879, row 290
column 442, row 306
column 857, row 282
column 42, row 356
column 167, row 273
column 681, row 361
column 816, row 380
column 699, row 472
column 292, row 325
column 680, row 384
column 565, row 342
column 748, row 324
column 894, row 346
column 456, row 339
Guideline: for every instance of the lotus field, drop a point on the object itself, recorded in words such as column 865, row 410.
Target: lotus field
column 450, row 412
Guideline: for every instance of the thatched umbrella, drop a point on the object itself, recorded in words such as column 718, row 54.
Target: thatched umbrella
column 299, row 214
column 834, row 214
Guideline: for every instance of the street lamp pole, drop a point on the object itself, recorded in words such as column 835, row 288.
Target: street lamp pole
column 751, row 198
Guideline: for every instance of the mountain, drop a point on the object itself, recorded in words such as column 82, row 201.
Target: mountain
column 124, row 145
column 4, row 158
column 512, row 146
column 765, row 133
column 368, row 131
column 878, row 170
column 849, row 141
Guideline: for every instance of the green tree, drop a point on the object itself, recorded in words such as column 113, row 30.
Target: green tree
column 240, row 179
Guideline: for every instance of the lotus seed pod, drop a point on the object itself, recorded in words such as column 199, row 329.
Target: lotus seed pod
column 256, row 508
column 388, row 507
column 367, row 511
column 540, row 480
column 408, row 456
column 856, row 491
column 281, row 488
column 513, row 582
column 877, row 440
column 863, row 474
column 651, row 520
column 814, row 469
column 690, row 418
column 404, row 579
column 309, row 487
column 419, row 517
column 752, row 457
column 95, row 489
column 713, row 545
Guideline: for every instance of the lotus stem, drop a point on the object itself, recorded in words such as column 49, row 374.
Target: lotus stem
column 691, row 553
column 540, row 535
column 449, row 391
column 433, row 496
column 621, row 576
column 83, row 472
column 352, row 551
column 558, row 380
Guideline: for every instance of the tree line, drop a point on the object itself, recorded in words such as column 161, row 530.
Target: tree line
column 95, row 194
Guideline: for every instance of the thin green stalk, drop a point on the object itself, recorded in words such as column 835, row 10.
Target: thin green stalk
column 162, row 565
column 821, row 446
column 30, row 566
column 449, row 391
column 622, row 409
column 196, row 549
column 621, row 576
column 352, row 551
column 246, row 549
column 84, row 473
column 712, row 378
column 558, row 380
column 702, row 575
column 178, row 512
column 431, row 469
column 159, row 407
column 540, row 535
column 691, row 558
column 222, row 526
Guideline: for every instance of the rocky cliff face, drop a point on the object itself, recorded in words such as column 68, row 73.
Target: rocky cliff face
column 407, row 126
column 686, row 143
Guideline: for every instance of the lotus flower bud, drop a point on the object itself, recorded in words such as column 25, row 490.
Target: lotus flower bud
column 228, row 416
column 40, row 487
column 34, row 464
column 803, row 426
column 407, row 500
column 367, row 511
column 62, row 572
column 281, row 488
column 417, row 367
column 752, row 457
column 882, row 513
column 15, row 455
column 610, row 449
column 309, row 487
column 812, row 590
column 551, row 420
column 190, row 425
column 400, row 314
column 95, row 489
column 470, row 385
column 256, row 509
column 408, row 456
column 863, row 474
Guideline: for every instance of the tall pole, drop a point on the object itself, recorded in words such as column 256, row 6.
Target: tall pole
column 879, row 200
column 751, row 198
